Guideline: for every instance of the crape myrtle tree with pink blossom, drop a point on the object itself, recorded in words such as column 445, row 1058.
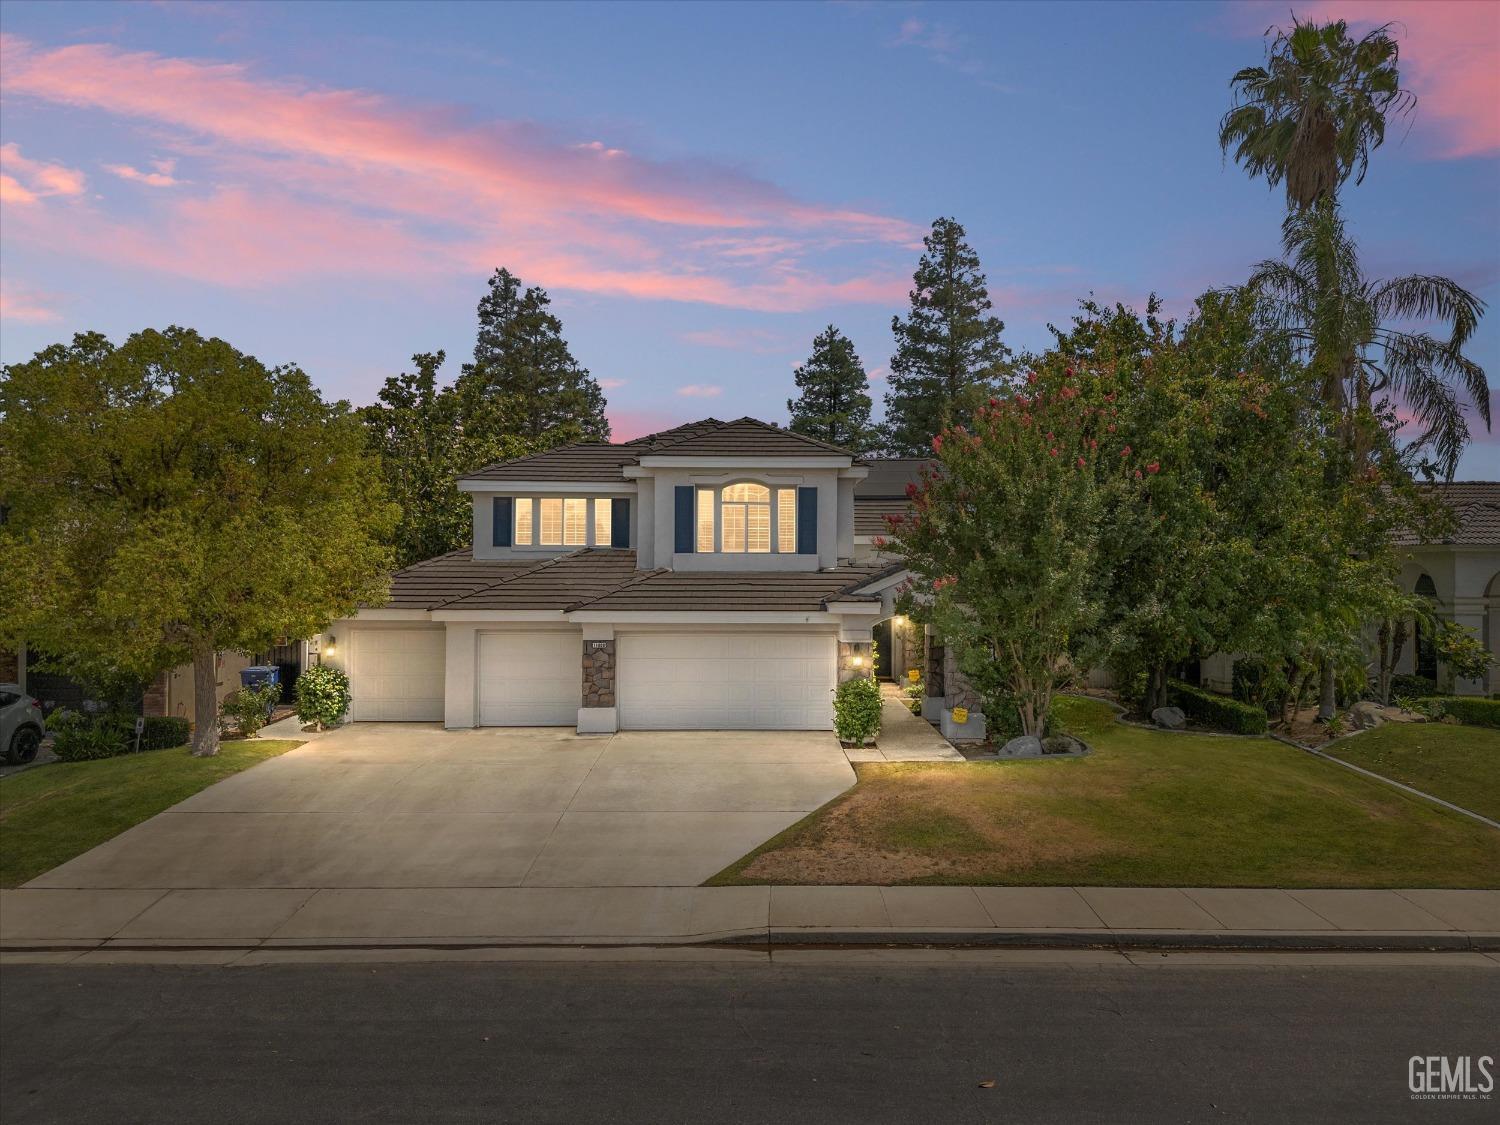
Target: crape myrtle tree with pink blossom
column 1002, row 538
column 1147, row 495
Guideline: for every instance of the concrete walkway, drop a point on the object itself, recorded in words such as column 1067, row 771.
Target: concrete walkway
column 904, row 737
column 181, row 924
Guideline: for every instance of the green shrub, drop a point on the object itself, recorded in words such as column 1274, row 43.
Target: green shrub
column 77, row 737
column 162, row 732
column 856, row 710
column 323, row 696
column 250, row 707
column 1408, row 686
column 1217, row 711
column 1471, row 710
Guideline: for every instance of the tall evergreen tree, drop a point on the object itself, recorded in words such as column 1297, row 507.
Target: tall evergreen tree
column 523, row 364
column 425, row 437
column 949, row 356
column 834, row 405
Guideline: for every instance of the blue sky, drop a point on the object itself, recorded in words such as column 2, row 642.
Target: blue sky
column 700, row 187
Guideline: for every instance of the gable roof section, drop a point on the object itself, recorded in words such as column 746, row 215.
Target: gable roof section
column 761, row 591
column 1476, row 511
column 586, row 461
column 745, row 437
column 889, row 477
column 602, row 461
column 554, row 583
column 454, row 575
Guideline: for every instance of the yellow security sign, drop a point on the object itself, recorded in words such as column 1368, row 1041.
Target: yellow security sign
column 960, row 715
column 913, row 675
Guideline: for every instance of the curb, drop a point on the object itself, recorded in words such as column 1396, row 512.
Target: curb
column 1098, row 940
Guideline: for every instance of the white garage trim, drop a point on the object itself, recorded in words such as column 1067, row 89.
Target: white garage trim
column 529, row 679
column 396, row 674
column 726, row 681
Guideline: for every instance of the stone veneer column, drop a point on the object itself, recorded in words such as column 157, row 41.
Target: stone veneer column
column 599, row 714
column 849, row 652
column 957, row 692
column 598, row 673
column 154, row 701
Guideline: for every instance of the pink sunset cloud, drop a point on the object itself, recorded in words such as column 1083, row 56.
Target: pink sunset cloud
column 1448, row 59
column 26, row 305
column 300, row 174
column 700, row 390
column 24, row 180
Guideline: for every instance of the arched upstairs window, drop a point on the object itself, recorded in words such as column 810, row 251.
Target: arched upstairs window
column 745, row 509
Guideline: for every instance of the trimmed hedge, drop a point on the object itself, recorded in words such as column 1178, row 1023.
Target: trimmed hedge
column 1217, row 710
column 1471, row 710
column 162, row 732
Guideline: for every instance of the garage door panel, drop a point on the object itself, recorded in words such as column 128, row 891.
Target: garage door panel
column 530, row 679
column 726, row 681
column 396, row 675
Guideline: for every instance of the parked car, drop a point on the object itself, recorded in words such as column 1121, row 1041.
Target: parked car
column 21, row 725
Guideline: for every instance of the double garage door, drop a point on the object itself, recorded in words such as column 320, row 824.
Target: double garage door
column 726, row 681
column 666, row 681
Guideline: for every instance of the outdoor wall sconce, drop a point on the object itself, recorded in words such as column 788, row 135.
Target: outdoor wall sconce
column 333, row 647
column 857, row 661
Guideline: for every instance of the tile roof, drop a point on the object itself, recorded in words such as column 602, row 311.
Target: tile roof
column 889, row 476
column 709, row 437
column 554, row 583
column 762, row 591
column 434, row 581
column 1475, row 505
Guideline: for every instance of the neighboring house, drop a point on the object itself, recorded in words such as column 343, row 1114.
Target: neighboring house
column 705, row 577
column 1461, row 575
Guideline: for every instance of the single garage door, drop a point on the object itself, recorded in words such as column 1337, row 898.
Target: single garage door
column 396, row 675
column 530, row 679
column 726, row 681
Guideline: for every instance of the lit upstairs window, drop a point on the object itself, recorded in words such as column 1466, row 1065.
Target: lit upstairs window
column 523, row 533
column 603, row 523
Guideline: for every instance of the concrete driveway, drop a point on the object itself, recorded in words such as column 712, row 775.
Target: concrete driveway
column 412, row 805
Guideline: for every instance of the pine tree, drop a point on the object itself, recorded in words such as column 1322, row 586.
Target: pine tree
column 834, row 405
column 523, row 365
column 949, row 356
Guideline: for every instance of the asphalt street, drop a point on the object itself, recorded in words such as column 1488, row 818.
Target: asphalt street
column 817, row 1040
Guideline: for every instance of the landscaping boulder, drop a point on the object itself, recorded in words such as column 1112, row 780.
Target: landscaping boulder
column 1366, row 715
column 1027, row 746
column 1169, row 718
column 1062, row 744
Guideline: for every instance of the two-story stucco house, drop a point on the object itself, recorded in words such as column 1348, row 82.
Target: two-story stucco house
column 706, row 577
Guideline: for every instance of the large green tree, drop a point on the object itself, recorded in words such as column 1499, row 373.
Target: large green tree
column 524, row 369
column 949, row 357
column 172, row 497
column 425, row 436
column 1311, row 116
column 834, row 405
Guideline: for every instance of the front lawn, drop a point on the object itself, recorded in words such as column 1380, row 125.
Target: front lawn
column 52, row 813
column 1458, row 764
column 1145, row 809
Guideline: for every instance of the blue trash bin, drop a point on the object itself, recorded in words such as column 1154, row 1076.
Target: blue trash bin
column 258, row 674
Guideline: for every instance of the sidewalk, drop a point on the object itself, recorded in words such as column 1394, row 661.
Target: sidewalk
column 189, row 922
column 904, row 737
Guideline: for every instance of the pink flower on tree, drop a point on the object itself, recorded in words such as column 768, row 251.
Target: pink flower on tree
column 1153, row 467
column 1125, row 452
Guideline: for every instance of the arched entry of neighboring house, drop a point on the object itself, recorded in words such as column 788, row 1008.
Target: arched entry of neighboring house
column 1425, row 648
column 1492, row 630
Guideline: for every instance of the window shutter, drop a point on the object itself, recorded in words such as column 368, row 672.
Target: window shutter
column 619, row 523
column 807, row 521
column 684, row 520
column 500, row 529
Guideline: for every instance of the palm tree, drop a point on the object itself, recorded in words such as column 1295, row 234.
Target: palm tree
column 1348, row 328
column 1313, row 114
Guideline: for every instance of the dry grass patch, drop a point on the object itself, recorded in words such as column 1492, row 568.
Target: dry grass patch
column 1147, row 808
